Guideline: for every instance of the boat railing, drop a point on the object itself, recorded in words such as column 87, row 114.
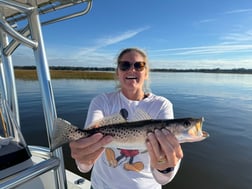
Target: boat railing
column 20, row 9
column 28, row 171
column 50, row 163
column 29, row 33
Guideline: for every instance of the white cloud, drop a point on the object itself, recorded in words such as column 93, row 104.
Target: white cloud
column 215, row 49
column 87, row 56
column 121, row 37
column 238, row 11
column 204, row 21
column 234, row 50
column 110, row 40
column 204, row 50
column 245, row 37
column 229, row 43
column 202, row 63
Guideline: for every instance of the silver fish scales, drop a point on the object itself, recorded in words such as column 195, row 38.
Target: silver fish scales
column 130, row 135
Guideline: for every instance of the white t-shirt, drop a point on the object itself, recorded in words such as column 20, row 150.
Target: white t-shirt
column 132, row 168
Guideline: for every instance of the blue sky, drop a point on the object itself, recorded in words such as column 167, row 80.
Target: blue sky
column 175, row 34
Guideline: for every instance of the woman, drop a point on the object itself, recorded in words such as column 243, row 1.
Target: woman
column 120, row 168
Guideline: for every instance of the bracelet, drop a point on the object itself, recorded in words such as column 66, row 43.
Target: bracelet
column 165, row 171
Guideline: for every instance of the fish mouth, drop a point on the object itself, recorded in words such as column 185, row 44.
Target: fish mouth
column 205, row 134
column 196, row 131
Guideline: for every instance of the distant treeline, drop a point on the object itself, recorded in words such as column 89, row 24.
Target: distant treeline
column 215, row 70
column 72, row 68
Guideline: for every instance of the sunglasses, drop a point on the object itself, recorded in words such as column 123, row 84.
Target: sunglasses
column 126, row 65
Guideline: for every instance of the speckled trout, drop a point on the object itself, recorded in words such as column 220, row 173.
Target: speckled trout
column 129, row 134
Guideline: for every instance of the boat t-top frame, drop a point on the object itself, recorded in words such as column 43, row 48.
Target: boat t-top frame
column 28, row 33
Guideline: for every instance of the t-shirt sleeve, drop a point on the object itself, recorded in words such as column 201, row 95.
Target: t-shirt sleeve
column 166, row 110
column 165, row 178
column 96, row 110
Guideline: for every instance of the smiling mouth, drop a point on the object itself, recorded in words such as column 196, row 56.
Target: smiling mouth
column 131, row 77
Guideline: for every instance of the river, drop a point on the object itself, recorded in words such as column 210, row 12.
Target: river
column 223, row 161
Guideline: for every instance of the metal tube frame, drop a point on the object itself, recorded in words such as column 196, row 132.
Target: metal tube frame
column 10, row 95
column 17, row 35
column 31, row 173
column 46, row 89
column 8, row 86
column 3, row 89
column 17, row 6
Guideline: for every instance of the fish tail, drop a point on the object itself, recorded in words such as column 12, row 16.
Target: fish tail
column 60, row 133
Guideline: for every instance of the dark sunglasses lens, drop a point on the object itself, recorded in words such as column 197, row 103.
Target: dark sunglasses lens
column 139, row 66
column 124, row 65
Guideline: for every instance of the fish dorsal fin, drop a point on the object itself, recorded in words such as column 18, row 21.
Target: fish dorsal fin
column 109, row 120
column 140, row 115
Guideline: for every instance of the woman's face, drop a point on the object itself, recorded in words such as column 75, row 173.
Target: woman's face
column 132, row 79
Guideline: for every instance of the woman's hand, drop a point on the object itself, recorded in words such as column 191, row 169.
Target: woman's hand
column 164, row 149
column 87, row 150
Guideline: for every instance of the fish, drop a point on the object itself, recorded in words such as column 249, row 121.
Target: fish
column 131, row 135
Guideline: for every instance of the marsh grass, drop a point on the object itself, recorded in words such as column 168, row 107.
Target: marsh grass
column 27, row 74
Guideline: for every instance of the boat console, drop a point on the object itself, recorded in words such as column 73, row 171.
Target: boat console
column 14, row 153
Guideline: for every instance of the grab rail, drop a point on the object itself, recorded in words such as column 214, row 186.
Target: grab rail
column 30, row 173
column 16, row 35
column 17, row 5
column 23, row 35
column 44, row 8
column 69, row 16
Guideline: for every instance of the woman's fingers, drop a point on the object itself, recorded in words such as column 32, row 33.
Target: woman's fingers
column 87, row 150
column 164, row 149
column 170, row 144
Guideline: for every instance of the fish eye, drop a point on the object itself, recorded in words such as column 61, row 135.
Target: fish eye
column 187, row 123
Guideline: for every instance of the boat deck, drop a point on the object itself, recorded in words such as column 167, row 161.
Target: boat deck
column 39, row 171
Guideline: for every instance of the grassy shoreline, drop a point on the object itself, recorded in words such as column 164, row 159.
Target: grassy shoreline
column 28, row 74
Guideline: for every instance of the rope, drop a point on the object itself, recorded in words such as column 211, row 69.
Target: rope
column 3, row 123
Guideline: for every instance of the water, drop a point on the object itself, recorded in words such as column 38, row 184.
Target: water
column 223, row 161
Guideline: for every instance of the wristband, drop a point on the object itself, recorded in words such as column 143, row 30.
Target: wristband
column 165, row 171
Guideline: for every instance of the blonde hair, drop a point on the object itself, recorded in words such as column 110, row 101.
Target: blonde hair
column 147, row 68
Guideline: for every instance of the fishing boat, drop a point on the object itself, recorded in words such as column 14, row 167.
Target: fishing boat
column 23, row 165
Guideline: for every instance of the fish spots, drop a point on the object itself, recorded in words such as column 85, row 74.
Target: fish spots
column 125, row 133
column 131, row 135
